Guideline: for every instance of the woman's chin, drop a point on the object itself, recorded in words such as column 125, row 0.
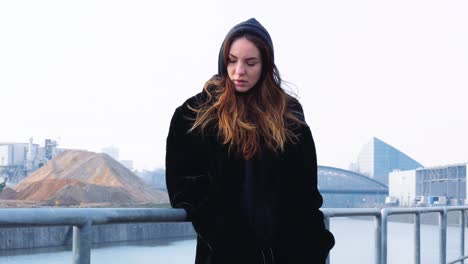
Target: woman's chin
column 242, row 89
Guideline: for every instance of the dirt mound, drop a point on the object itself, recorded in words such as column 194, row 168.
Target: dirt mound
column 76, row 177
column 89, row 193
column 43, row 190
column 8, row 194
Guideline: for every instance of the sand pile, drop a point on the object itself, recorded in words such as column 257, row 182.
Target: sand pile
column 8, row 193
column 76, row 177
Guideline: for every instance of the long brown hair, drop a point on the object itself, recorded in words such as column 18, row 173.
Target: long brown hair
column 247, row 121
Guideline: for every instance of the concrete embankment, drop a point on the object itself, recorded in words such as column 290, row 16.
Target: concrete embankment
column 54, row 236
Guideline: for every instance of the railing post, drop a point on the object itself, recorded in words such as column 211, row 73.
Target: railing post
column 327, row 226
column 378, row 239
column 462, row 234
column 443, row 236
column 417, row 238
column 384, row 214
column 82, row 240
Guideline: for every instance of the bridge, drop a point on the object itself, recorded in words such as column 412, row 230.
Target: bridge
column 82, row 219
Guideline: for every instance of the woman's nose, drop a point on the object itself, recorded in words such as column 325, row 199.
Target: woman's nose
column 240, row 69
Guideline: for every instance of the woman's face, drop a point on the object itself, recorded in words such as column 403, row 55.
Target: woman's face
column 244, row 65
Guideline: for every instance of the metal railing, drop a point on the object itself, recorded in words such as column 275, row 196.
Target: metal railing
column 82, row 219
column 381, row 229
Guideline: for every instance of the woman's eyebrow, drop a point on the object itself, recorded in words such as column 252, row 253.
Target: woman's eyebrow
column 250, row 58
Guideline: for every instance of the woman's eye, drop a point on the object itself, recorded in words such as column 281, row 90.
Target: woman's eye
column 251, row 62
column 231, row 61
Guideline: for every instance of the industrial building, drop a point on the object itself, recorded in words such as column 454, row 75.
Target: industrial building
column 442, row 185
column 17, row 160
column 377, row 159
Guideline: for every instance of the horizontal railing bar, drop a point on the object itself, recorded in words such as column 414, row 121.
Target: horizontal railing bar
column 456, row 208
column 391, row 211
column 343, row 212
column 80, row 216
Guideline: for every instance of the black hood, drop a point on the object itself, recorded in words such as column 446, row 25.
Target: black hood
column 251, row 26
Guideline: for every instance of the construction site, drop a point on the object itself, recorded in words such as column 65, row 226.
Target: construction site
column 70, row 178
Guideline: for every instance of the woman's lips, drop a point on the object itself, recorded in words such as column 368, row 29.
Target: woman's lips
column 240, row 82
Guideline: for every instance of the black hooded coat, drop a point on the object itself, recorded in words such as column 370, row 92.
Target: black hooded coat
column 208, row 181
column 204, row 179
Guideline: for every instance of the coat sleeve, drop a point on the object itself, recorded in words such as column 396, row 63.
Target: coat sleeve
column 307, row 159
column 309, row 168
column 187, row 176
column 312, row 198
column 325, row 239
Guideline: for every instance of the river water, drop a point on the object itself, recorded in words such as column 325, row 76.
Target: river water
column 355, row 244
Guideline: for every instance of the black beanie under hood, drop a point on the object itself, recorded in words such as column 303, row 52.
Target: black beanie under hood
column 251, row 26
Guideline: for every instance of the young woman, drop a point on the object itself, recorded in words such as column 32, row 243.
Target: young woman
column 241, row 161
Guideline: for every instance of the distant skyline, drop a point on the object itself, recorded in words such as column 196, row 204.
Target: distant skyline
column 93, row 74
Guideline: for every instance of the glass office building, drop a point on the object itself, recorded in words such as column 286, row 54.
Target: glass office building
column 377, row 159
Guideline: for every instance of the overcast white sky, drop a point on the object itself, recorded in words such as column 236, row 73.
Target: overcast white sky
column 97, row 73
